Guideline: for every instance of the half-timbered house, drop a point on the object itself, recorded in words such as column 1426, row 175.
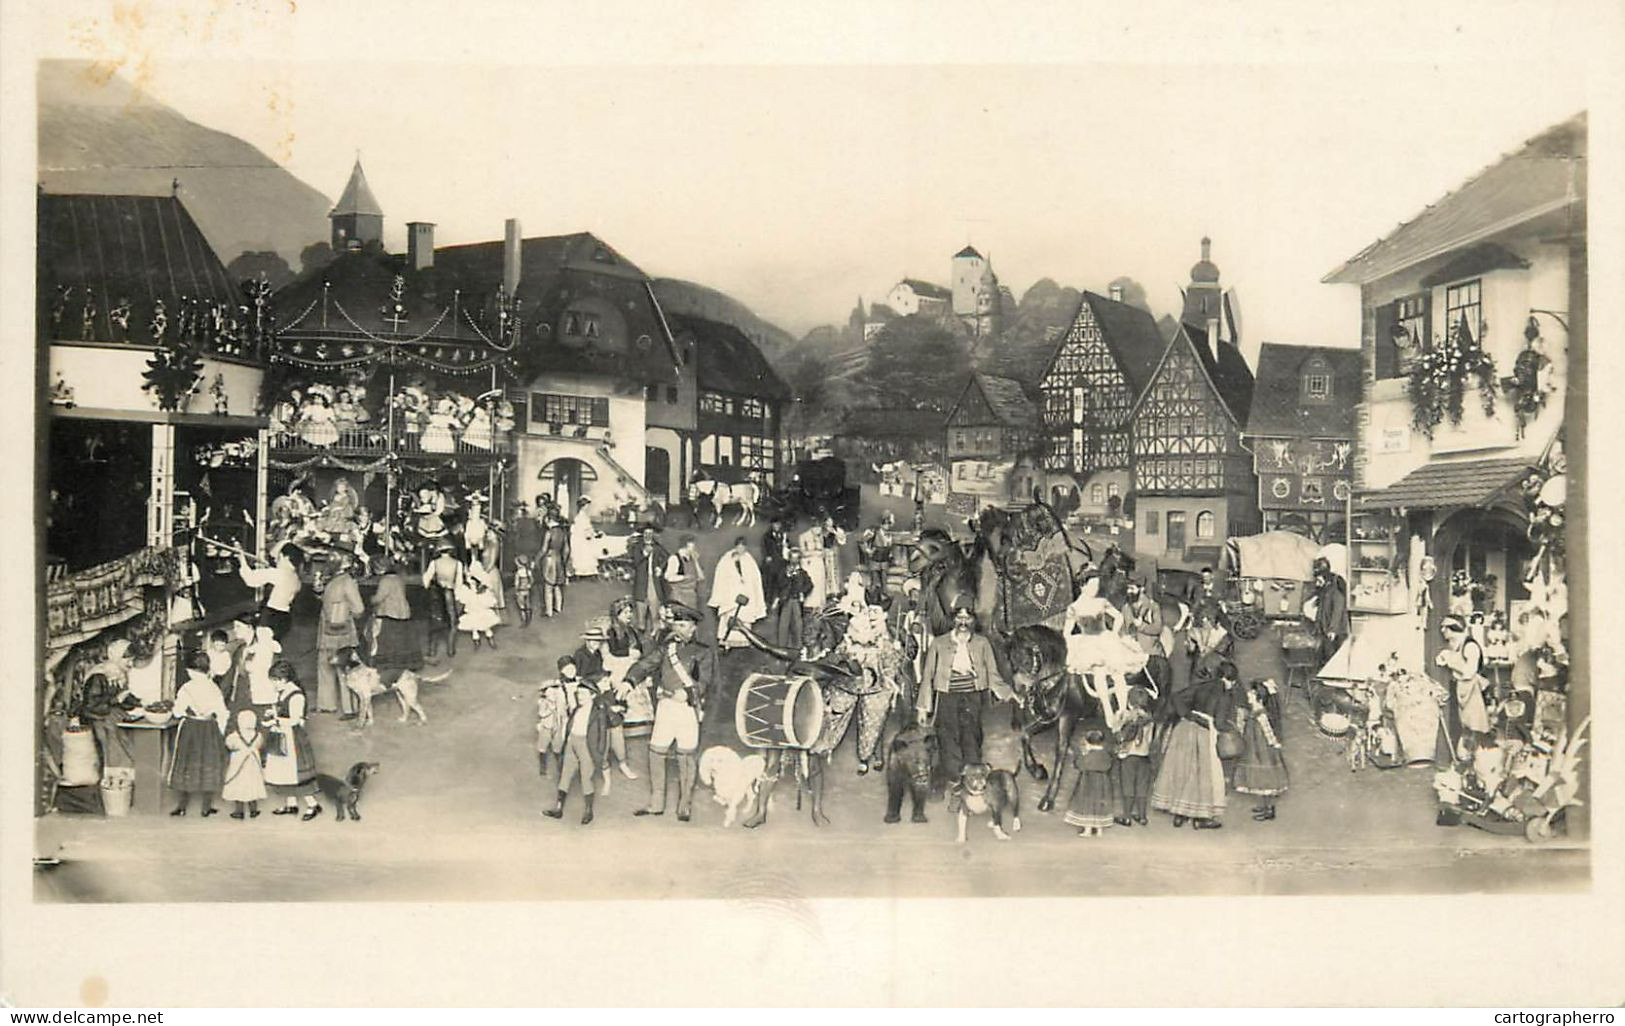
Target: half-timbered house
column 1101, row 366
column 990, row 427
column 740, row 398
column 1193, row 480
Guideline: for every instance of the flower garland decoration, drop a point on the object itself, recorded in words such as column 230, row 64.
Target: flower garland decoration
column 1438, row 380
column 1531, row 380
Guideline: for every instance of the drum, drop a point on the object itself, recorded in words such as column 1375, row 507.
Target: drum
column 775, row 711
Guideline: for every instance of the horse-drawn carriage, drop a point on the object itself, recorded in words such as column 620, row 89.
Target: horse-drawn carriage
column 819, row 487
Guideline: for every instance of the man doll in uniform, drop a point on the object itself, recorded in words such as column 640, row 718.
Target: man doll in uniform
column 681, row 670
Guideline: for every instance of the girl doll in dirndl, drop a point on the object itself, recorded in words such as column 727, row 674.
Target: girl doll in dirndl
column 245, row 774
column 1091, row 807
column 290, row 761
column 199, row 763
column 1261, row 770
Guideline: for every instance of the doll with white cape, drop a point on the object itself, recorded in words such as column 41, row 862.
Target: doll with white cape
column 736, row 593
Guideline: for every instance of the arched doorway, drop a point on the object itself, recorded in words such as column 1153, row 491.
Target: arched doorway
column 1492, row 547
column 566, row 480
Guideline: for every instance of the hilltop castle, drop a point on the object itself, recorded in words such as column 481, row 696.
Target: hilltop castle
column 976, row 299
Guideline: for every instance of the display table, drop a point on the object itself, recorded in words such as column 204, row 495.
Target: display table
column 151, row 747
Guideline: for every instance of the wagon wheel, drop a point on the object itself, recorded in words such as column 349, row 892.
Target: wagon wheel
column 1247, row 625
column 1538, row 830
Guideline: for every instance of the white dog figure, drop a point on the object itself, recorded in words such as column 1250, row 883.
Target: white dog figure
column 733, row 777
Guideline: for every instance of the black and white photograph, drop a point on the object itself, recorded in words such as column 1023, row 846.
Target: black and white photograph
column 488, row 470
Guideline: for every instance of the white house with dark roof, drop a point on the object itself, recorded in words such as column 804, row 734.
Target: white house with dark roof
column 912, row 296
column 1499, row 266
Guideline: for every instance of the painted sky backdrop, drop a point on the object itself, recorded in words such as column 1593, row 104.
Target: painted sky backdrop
column 799, row 188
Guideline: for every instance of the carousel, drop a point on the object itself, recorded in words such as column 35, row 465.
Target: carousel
column 390, row 413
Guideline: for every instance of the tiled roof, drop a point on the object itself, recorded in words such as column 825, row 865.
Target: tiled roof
column 358, row 197
column 1545, row 174
column 727, row 360
column 1277, row 408
column 926, row 289
column 98, row 254
column 1008, row 400
column 1444, row 485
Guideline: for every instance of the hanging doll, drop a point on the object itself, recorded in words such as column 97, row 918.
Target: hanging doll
column 1261, row 771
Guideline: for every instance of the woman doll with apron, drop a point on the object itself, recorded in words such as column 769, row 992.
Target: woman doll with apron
column 290, row 761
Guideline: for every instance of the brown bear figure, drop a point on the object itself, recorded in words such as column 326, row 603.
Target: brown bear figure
column 913, row 757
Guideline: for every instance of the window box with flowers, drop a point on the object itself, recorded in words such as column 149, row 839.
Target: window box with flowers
column 1439, row 377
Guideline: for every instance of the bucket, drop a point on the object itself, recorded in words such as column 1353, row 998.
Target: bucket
column 118, row 790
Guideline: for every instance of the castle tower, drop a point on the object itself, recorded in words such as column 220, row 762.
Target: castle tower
column 989, row 302
column 358, row 220
column 968, row 266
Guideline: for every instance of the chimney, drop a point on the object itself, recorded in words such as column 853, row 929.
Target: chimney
column 1117, row 293
column 510, row 256
column 419, row 245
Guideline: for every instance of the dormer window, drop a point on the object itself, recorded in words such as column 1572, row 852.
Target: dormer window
column 1317, row 381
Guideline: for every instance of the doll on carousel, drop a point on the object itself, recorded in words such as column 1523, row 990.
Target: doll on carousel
column 430, row 512
column 347, row 412
column 317, row 425
column 477, row 427
column 440, row 432
column 338, row 516
column 284, row 415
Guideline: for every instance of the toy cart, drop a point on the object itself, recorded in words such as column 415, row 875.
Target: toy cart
column 1535, row 830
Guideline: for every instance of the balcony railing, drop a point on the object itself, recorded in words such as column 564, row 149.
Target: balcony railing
column 376, row 441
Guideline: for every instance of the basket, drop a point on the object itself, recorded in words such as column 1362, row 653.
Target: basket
column 118, row 790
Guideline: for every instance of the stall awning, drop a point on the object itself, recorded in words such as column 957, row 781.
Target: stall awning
column 1443, row 485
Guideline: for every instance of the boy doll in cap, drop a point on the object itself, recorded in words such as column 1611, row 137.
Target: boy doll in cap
column 585, row 732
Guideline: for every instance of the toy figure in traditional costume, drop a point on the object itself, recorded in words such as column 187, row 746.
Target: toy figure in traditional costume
column 440, row 433
column 477, row 431
column 338, row 516
column 430, row 512
column 736, row 593
column 317, row 425
column 868, row 696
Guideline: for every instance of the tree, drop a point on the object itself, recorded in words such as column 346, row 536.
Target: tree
column 916, row 362
column 252, row 264
column 1133, row 292
column 315, row 256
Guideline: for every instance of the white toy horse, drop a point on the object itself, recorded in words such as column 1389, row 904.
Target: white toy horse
column 745, row 495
